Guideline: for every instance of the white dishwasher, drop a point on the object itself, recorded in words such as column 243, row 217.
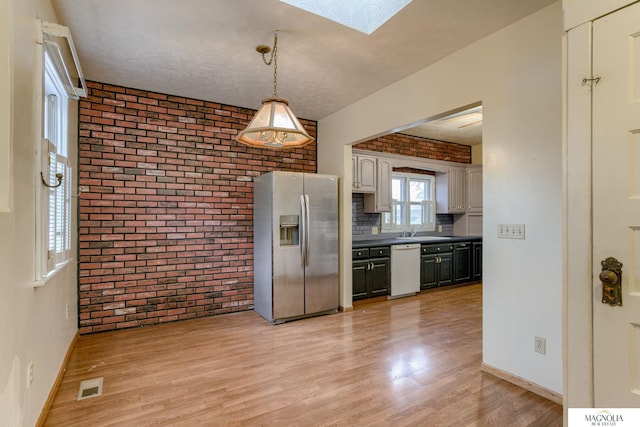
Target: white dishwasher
column 405, row 269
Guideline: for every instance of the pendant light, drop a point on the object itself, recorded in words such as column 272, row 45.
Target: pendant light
column 274, row 125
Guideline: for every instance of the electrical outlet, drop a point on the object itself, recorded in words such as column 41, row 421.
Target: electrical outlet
column 540, row 345
column 374, row 230
column 29, row 374
column 439, row 228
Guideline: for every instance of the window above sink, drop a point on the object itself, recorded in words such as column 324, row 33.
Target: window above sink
column 412, row 205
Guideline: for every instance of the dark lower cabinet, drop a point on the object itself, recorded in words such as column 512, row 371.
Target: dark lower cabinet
column 436, row 267
column 441, row 264
column 359, row 280
column 477, row 260
column 462, row 262
column 371, row 272
column 429, row 271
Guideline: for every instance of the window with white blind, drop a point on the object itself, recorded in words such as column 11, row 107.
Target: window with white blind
column 413, row 204
column 55, row 191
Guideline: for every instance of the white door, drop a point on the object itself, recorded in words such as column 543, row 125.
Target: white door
column 616, row 205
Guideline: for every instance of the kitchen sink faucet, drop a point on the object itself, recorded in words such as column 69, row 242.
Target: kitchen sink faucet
column 415, row 229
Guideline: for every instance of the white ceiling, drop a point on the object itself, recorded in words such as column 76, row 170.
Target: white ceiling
column 205, row 49
column 463, row 127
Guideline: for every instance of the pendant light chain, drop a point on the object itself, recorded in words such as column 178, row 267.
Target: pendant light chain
column 274, row 59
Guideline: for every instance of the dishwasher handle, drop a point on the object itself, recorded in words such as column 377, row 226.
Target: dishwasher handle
column 407, row 247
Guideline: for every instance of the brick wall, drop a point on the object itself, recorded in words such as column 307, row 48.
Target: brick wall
column 166, row 219
column 415, row 146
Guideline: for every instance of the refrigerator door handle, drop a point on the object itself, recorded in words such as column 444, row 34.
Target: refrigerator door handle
column 307, row 225
column 303, row 232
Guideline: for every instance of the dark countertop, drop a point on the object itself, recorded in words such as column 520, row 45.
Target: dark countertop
column 388, row 241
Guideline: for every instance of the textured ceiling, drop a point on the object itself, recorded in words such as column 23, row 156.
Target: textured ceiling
column 205, row 49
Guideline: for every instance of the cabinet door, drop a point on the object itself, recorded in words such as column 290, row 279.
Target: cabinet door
column 451, row 191
column 460, row 196
column 474, row 189
column 359, row 279
column 383, row 191
column 354, row 173
column 462, row 262
column 477, row 260
column 366, row 173
column 428, row 271
column 474, row 224
column 446, row 269
column 379, row 277
column 380, row 201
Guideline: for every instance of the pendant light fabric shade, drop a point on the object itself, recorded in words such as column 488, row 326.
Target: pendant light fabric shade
column 274, row 126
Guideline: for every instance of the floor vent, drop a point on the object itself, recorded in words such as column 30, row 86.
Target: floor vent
column 90, row 388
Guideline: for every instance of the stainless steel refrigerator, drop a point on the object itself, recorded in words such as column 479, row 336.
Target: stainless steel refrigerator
column 295, row 219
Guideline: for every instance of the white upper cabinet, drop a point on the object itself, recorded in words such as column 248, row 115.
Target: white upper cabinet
column 363, row 173
column 474, row 189
column 451, row 195
column 380, row 201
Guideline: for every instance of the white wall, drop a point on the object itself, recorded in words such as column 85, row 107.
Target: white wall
column 517, row 75
column 5, row 106
column 33, row 325
column 476, row 154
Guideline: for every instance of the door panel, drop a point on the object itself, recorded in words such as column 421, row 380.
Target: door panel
column 288, row 274
column 462, row 262
column 446, row 269
column 616, row 205
column 428, row 271
column 477, row 260
column 359, row 279
column 321, row 273
column 380, row 275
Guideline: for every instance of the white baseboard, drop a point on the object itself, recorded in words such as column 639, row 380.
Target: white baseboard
column 521, row 382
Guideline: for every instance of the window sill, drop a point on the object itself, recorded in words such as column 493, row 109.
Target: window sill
column 42, row 282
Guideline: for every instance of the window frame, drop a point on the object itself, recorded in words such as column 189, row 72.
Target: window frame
column 53, row 205
column 428, row 221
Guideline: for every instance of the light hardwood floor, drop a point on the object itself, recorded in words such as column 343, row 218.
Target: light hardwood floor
column 411, row 361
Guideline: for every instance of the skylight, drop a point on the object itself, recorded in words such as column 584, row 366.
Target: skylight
column 365, row 16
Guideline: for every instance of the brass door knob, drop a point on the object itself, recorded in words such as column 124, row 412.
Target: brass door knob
column 608, row 278
column 611, row 278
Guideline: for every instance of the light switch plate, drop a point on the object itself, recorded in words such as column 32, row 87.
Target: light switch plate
column 511, row 231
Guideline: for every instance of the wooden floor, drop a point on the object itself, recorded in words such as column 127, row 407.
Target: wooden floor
column 411, row 361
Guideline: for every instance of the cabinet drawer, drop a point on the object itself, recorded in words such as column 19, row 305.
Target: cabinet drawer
column 380, row 252
column 362, row 253
column 434, row 249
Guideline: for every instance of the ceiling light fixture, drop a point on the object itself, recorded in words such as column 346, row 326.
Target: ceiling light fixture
column 274, row 125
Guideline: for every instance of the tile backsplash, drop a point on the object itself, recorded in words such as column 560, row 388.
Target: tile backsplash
column 362, row 222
